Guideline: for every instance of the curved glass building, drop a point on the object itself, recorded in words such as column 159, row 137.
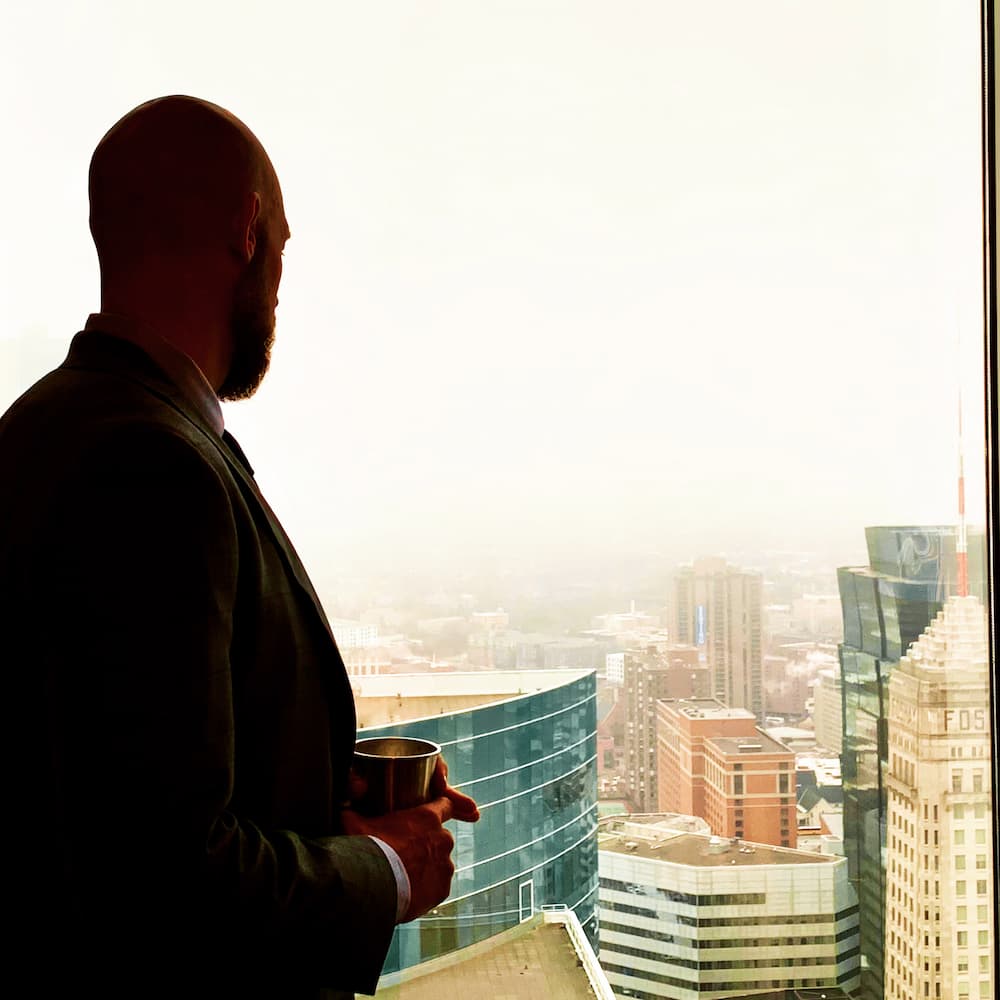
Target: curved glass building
column 524, row 745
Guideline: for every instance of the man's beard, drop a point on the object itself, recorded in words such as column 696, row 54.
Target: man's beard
column 252, row 324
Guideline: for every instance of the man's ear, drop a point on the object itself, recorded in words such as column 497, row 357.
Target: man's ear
column 246, row 235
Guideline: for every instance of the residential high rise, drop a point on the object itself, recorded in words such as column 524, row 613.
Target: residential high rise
column 939, row 903
column 690, row 917
column 886, row 606
column 714, row 762
column 716, row 607
column 650, row 674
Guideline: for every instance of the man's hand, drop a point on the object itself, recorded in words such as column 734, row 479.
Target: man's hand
column 419, row 838
column 463, row 808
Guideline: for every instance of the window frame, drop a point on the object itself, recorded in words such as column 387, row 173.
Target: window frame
column 991, row 183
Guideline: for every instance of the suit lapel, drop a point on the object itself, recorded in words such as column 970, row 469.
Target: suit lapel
column 117, row 356
column 237, row 461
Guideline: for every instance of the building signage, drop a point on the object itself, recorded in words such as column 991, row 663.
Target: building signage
column 699, row 625
column 965, row 720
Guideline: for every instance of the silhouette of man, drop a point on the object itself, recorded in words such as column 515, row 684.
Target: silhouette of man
column 183, row 724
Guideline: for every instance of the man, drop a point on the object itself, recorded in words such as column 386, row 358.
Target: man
column 183, row 724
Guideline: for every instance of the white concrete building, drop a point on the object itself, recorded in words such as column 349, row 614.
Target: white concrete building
column 353, row 634
column 692, row 917
column 939, row 871
column 827, row 711
column 818, row 614
column 614, row 665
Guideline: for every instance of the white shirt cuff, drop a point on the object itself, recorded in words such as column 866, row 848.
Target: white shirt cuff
column 402, row 879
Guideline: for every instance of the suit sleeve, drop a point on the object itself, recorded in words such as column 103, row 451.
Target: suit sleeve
column 142, row 561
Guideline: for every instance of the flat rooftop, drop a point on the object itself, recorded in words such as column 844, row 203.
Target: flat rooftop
column 533, row 960
column 382, row 699
column 747, row 746
column 617, row 836
column 706, row 708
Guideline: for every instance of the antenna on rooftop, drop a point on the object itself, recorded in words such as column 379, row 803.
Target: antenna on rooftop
column 962, row 541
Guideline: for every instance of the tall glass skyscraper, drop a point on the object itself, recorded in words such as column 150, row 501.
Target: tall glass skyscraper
column 886, row 607
column 524, row 745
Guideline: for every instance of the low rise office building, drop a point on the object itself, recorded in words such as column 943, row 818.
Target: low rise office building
column 692, row 917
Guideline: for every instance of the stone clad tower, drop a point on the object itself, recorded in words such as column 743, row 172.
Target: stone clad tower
column 939, row 877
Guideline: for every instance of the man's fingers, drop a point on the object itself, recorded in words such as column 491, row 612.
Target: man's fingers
column 464, row 808
column 443, row 807
column 439, row 779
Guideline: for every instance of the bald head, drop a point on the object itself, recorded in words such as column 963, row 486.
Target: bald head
column 189, row 224
column 173, row 176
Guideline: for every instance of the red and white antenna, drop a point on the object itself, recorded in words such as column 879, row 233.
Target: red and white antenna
column 962, row 542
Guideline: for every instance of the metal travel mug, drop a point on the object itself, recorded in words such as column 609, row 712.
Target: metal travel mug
column 397, row 770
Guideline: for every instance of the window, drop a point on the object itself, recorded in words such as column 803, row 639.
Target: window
column 601, row 269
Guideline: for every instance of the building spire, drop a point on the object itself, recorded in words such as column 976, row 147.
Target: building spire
column 961, row 543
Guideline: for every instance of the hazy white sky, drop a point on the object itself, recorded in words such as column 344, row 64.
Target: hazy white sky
column 563, row 274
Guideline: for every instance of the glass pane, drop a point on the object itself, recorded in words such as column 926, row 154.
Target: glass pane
column 627, row 411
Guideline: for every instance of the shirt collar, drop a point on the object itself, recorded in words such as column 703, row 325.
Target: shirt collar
column 175, row 364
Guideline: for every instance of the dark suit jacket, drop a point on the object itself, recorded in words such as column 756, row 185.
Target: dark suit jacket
column 181, row 722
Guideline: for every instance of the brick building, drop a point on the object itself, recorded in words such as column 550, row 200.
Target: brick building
column 714, row 762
